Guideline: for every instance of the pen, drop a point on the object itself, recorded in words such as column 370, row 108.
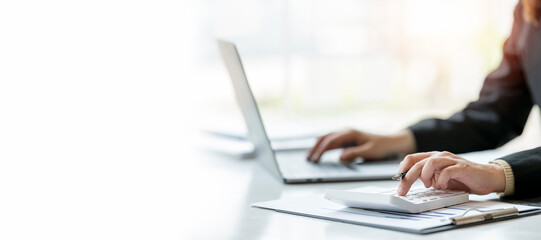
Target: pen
column 399, row 176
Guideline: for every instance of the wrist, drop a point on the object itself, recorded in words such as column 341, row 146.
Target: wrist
column 498, row 179
column 509, row 178
column 402, row 142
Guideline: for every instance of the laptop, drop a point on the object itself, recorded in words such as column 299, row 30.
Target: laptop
column 292, row 166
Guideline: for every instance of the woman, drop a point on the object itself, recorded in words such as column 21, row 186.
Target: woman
column 498, row 116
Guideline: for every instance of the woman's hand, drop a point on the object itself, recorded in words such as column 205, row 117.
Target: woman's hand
column 362, row 144
column 444, row 170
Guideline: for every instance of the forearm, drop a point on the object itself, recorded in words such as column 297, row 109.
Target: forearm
column 401, row 143
column 526, row 167
column 484, row 124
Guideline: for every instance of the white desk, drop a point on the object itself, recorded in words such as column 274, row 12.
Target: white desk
column 128, row 183
column 237, row 183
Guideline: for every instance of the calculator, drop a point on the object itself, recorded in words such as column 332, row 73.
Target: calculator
column 417, row 200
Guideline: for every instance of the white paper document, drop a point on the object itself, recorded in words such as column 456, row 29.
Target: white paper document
column 318, row 207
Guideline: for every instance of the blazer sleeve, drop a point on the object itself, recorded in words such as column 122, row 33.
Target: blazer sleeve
column 526, row 167
column 498, row 116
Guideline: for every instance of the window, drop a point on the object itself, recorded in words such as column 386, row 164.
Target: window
column 331, row 58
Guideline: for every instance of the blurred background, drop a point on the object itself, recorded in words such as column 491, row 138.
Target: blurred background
column 378, row 65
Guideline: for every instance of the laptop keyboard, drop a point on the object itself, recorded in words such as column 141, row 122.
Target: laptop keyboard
column 295, row 165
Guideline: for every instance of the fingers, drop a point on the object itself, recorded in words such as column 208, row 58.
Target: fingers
column 435, row 169
column 349, row 154
column 446, row 175
column 413, row 174
column 412, row 159
column 330, row 141
column 434, row 164
column 316, row 146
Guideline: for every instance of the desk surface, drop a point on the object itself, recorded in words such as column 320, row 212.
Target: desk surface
column 153, row 185
column 238, row 183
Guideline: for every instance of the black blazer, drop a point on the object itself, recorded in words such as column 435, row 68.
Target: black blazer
column 500, row 113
